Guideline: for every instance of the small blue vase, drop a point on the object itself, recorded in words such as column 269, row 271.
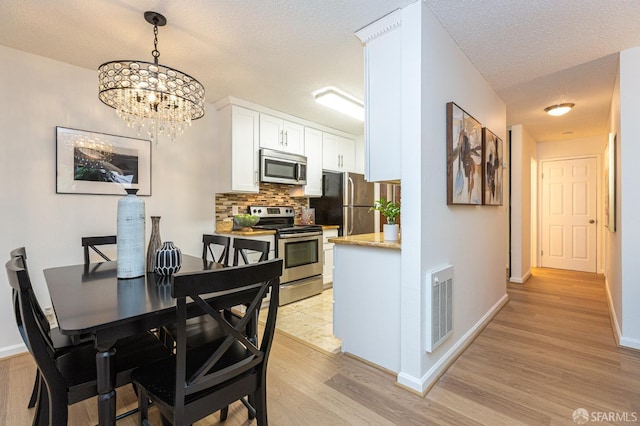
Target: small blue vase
column 168, row 259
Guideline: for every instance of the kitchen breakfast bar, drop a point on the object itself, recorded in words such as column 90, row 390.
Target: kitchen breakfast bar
column 366, row 292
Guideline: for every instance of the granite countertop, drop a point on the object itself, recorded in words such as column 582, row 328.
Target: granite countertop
column 327, row 227
column 367, row 240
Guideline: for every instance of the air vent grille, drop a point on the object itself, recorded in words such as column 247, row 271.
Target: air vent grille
column 440, row 295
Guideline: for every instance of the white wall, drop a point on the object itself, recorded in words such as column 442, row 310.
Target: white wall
column 629, row 196
column 613, row 240
column 582, row 147
column 523, row 151
column 39, row 94
column 472, row 238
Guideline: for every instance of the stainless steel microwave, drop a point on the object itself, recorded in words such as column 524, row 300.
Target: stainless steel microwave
column 282, row 167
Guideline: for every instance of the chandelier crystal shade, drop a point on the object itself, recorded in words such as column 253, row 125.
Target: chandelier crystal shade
column 149, row 95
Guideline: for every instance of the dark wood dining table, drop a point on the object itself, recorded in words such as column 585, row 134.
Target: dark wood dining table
column 91, row 302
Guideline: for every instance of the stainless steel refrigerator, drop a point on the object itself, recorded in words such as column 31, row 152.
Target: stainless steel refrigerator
column 346, row 199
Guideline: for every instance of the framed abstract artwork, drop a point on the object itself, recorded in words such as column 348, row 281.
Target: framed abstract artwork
column 464, row 157
column 98, row 163
column 492, row 177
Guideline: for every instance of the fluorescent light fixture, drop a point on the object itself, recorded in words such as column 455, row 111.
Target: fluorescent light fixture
column 340, row 101
column 560, row 109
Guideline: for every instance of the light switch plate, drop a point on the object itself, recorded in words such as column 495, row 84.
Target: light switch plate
column 234, row 210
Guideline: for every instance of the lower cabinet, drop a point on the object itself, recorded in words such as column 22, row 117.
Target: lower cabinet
column 327, row 248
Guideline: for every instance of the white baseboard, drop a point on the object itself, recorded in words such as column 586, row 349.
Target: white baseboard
column 521, row 280
column 628, row 342
column 617, row 331
column 8, row 351
column 423, row 384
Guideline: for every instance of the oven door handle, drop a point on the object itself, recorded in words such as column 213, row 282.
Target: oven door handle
column 300, row 235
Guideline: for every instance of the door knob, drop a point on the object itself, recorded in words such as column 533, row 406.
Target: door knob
column 592, row 221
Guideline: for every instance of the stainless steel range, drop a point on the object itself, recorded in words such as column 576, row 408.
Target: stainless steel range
column 300, row 248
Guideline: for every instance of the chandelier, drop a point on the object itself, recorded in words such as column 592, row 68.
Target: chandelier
column 149, row 95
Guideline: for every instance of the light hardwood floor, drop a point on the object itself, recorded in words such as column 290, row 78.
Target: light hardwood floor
column 548, row 352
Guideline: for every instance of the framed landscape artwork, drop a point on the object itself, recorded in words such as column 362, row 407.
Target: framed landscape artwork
column 492, row 176
column 98, row 163
column 610, row 185
column 464, row 157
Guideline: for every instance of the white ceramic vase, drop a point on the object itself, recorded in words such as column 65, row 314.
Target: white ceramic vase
column 131, row 250
column 390, row 231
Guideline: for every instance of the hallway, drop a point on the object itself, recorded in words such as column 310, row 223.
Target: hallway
column 548, row 352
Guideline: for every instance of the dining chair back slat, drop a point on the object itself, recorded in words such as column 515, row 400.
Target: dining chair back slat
column 209, row 242
column 242, row 247
column 91, row 243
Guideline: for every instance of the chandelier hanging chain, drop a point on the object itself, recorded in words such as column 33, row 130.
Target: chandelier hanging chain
column 155, row 52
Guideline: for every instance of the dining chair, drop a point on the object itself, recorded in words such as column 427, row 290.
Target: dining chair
column 69, row 376
column 21, row 252
column 247, row 249
column 195, row 383
column 92, row 242
column 209, row 242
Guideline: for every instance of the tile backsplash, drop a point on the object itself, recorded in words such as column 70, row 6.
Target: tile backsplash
column 271, row 194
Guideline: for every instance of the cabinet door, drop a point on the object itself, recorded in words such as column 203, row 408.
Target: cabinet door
column 271, row 133
column 383, row 95
column 293, row 138
column 330, row 153
column 244, row 150
column 313, row 152
column 338, row 153
column 347, row 149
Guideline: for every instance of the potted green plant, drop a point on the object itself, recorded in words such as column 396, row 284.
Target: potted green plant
column 390, row 210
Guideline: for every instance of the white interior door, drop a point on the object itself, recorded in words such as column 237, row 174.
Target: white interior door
column 569, row 214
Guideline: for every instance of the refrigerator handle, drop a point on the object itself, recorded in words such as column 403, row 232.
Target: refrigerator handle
column 353, row 189
column 350, row 232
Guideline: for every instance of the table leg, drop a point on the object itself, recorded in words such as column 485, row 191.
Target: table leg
column 106, row 379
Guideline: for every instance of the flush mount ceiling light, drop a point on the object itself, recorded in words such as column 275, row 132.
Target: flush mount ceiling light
column 340, row 101
column 559, row 109
column 147, row 94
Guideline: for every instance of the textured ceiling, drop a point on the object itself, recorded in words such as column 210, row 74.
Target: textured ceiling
column 276, row 52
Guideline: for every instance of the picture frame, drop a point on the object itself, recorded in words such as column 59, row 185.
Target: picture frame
column 464, row 157
column 610, row 184
column 492, row 175
column 99, row 163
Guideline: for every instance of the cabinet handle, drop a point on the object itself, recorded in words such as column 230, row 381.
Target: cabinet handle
column 281, row 137
column 286, row 138
column 256, row 174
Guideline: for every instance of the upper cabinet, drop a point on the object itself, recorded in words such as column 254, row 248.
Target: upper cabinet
column 338, row 153
column 238, row 148
column 383, row 90
column 245, row 127
column 313, row 152
column 281, row 135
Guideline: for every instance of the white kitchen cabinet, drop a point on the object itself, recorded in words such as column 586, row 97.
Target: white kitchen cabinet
column 313, row 152
column 281, row 135
column 383, row 91
column 338, row 153
column 238, row 150
column 327, row 248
